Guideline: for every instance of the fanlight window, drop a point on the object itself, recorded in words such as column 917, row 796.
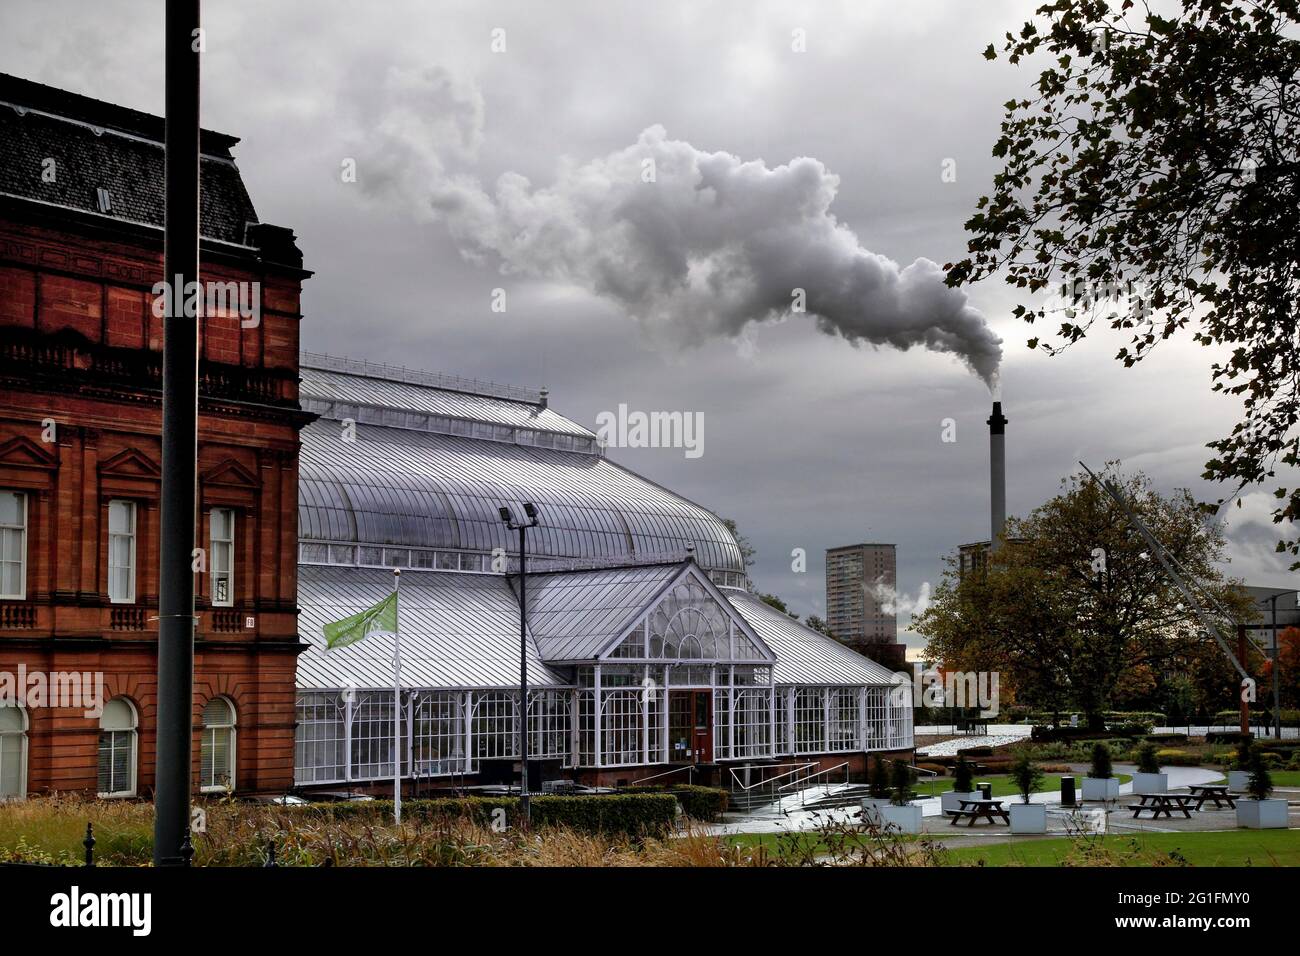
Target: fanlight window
column 688, row 624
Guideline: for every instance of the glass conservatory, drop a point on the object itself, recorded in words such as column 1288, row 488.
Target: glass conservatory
column 644, row 646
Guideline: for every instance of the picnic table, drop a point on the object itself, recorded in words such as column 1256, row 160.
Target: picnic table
column 1218, row 792
column 978, row 809
column 1162, row 803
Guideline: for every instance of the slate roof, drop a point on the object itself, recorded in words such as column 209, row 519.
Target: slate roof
column 101, row 145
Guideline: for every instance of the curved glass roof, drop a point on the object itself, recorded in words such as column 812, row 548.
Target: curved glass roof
column 412, row 488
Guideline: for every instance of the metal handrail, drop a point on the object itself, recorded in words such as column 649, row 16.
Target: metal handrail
column 807, row 780
column 768, row 780
column 689, row 768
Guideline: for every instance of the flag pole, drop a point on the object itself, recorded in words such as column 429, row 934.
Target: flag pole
column 397, row 700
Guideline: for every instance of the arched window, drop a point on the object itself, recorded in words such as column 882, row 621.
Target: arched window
column 117, row 747
column 217, row 752
column 13, row 753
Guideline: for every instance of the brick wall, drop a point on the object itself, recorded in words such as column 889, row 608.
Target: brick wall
column 80, row 349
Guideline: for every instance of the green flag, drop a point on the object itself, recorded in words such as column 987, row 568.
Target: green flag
column 382, row 618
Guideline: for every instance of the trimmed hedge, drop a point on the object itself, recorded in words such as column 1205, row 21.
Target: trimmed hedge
column 621, row 814
column 706, row 804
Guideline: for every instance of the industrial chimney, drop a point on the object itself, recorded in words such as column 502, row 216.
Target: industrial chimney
column 997, row 474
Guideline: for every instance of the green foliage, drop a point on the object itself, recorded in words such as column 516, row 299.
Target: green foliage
column 962, row 780
column 1147, row 759
column 901, row 781
column 878, row 784
column 1260, row 782
column 631, row 814
column 1069, row 634
column 1150, row 176
column 706, row 804
column 1101, row 766
column 1026, row 775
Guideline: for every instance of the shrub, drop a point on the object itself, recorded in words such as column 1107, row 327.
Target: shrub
column 1178, row 758
column 1147, row 761
column 1241, row 759
column 1100, row 762
column 630, row 814
column 706, row 804
column 878, row 785
column 901, row 779
column 962, row 780
column 1259, row 784
column 1025, row 775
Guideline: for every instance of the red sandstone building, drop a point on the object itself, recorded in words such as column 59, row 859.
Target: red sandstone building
column 80, row 378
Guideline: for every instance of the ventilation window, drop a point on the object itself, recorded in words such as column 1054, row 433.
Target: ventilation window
column 105, row 199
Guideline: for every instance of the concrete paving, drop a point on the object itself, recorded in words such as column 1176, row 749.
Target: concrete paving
column 1113, row 818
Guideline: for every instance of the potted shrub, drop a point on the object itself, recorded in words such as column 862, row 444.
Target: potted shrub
column 1148, row 778
column 1259, row 812
column 1239, row 768
column 1027, row 817
column 963, row 786
column 1100, row 784
column 877, row 787
column 900, row 812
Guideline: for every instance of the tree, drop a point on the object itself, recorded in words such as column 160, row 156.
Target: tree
column 819, row 625
column 747, row 550
column 1288, row 642
column 1153, row 176
column 1072, row 610
column 773, row 601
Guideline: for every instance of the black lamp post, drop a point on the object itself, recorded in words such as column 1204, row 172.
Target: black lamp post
column 522, row 527
column 180, row 383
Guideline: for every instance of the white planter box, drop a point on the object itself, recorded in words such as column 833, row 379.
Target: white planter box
column 1262, row 814
column 1237, row 780
column 1028, row 818
column 953, row 798
column 1150, row 782
column 906, row 818
column 1100, row 788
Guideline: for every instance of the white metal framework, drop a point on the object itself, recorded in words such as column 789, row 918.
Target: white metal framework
column 615, row 713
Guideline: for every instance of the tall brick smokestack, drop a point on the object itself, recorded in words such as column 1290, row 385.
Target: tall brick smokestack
column 997, row 473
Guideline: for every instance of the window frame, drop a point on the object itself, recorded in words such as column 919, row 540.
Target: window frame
column 229, row 574
column 133, row 739
column 24, row 727
column 131, row 536
column 204, row 786
column 21, row 593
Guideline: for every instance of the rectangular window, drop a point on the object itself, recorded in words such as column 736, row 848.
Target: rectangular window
column 121, row 551
column 222, row 557
column 13, row 545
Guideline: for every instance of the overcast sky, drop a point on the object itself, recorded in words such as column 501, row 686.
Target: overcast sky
column 836, row 153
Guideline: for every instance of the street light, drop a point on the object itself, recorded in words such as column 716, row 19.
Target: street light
column 508, row 520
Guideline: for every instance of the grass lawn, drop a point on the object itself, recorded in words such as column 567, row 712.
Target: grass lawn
column 1285, row 778
column 1232, row 848
column 1002, row 785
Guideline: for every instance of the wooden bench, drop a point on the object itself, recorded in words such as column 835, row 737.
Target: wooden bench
column 1162, row 803
column 973, row 810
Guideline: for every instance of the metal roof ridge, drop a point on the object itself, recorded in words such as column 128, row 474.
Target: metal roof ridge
column 444, row 381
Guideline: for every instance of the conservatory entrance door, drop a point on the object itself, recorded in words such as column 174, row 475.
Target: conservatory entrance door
column 690, row 726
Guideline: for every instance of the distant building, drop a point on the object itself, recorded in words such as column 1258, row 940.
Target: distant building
column 860, row 578
column 1288, row 614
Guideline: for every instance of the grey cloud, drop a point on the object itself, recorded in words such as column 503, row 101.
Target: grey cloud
column 696, row 245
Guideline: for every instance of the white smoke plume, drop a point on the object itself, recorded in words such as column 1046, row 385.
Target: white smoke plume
column 893, row 601
column 710, row 245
